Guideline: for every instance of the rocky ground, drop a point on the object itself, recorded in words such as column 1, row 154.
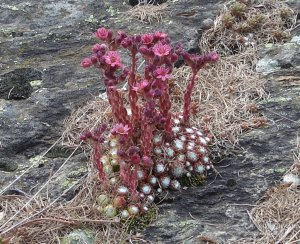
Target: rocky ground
column 42, row 44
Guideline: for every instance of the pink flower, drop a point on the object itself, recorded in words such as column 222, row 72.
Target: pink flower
column 140, row 86
column 113, row 59
column 160, row 35
column 102, row 34
column 86, row 62
column 99, row 48
column 96, row 48
column 120, row 129
column 161, row 50
column 147, row 39
column 162, row 73
column 135, row 158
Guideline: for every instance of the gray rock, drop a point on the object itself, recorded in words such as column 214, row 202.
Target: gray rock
column 279, row 57
column 207, row 24
column 8, row 166
column 296, row 39
column 78, row 237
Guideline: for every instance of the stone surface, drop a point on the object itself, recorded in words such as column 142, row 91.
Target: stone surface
column 78, row 237
column 279, row 57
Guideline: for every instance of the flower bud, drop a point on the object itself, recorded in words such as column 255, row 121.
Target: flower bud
column 122, row 34
column 175, row 185
column 103, row 48
column 133, row 150
column 121, row 153
column 199, row 168
column 102, row 34
column 159, row 168
column 135, row 159
column 150, row 198
column 86, row 62
column 174, row 57
column 147, row 162
column 138, row 38
column 127, row 42
column 96, row 48
column 144, row 50
column 109, row 34
column 94, row 59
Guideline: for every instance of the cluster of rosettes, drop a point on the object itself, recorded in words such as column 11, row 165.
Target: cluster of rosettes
column 186, row 155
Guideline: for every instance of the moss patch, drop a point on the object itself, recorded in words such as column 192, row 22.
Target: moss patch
column 142, row 221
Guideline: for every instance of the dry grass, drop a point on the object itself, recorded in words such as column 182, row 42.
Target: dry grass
column 147, row 13
column 41, row 221
column 84, row 118
column 262, row 22
column 224, row 97
column 277, row 217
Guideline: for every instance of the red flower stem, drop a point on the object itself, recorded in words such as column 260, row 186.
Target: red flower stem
column 133, row 97
column 98, row 163
column 188, row 99
column 165, row 106
column 133, row 184
column 147, row 134
column 118, row 108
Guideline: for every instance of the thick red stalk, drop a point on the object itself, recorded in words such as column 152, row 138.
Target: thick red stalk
column 117, row 105
column 124, row 168
column 133, row 97
column 98, row 163
column 133, row 183
column 147, row 132
column 188, row 99
column 165, row 107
